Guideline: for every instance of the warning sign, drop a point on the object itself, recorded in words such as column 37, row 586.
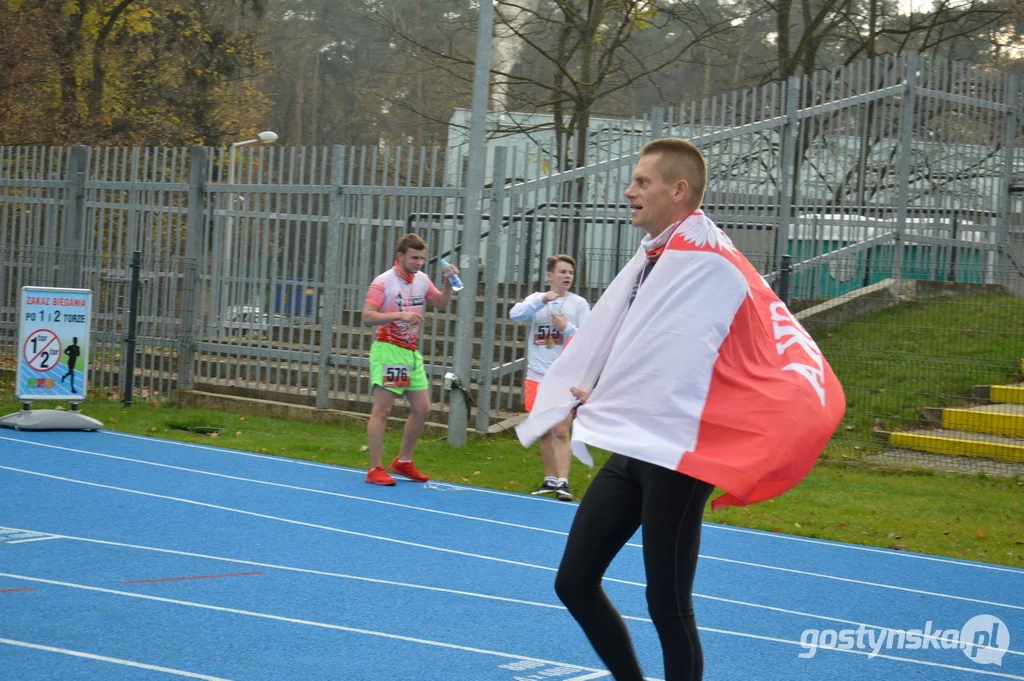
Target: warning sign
column 53, row 325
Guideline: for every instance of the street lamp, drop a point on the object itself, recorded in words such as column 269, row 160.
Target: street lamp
column 265, row 137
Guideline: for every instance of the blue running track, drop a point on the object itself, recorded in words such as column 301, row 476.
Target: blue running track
column 130, row 558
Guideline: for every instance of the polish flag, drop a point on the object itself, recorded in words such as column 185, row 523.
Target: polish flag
column 707, row 373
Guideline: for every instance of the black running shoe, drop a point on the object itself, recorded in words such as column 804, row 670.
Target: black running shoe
column 549, row 487
column 562, row 492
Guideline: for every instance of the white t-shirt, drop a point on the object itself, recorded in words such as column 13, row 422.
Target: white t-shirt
column 546, row 342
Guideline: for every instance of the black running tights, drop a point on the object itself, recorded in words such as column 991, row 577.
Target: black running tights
column 627, row 494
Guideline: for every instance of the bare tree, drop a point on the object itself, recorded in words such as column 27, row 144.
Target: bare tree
column 571, row 55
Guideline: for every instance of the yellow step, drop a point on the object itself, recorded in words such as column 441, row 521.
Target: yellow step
column 1010, row 394
column 961, row 443
column 996, row 419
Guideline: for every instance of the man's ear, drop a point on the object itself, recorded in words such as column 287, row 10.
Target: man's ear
column 682, row 190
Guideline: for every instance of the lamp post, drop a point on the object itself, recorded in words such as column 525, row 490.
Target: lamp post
column 265, row 137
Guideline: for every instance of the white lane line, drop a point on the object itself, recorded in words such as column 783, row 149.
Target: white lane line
column 294, row 620
column 866, row 549
column 868, row 653
column 506, row 561
column 321, row 573
column 297, row 488
column 331, row 467
column 265, row 516
column 806, row 573
column 369, row 632
column 457, row 515
column 458, row 592
column 25, row 541
column 112, row 660
column 707, row 524
column 595, row 675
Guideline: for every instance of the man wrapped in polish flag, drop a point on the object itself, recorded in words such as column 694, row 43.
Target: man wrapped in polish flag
column 695, row 375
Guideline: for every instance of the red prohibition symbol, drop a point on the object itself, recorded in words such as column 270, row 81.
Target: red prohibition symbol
column 42, row 350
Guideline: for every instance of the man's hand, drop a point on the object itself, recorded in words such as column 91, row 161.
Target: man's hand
column 549, row 296
column 581, row 395
column 559, row 321
column 409, row 317
column 447, row 280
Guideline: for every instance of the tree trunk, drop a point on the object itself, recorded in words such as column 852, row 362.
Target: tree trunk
column 300, row 95
column 420, row 99
column 737, row 67
column 99, row 74
column 66, row 45
column 314, row 109
column 706, row 91
column 809, row 58
column 782, row 41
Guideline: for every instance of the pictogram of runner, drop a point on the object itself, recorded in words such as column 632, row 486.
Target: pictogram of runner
column 32, row 360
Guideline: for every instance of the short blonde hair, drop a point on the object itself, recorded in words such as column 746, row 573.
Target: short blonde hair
column 680, row 160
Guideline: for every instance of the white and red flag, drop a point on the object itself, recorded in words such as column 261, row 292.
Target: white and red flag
column 707, row 373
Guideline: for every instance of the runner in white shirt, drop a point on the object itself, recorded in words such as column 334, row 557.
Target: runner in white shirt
column 554, row 317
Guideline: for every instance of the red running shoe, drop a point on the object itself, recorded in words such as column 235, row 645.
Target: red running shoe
column 379, row 476
column 408, row 469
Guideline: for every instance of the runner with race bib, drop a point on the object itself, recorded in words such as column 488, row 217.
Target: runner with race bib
column 395, row 304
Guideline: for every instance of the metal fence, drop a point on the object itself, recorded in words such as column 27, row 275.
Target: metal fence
column 162, row 339
column 889, row 171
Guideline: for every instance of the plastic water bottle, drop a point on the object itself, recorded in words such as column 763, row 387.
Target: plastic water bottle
column 449, row 273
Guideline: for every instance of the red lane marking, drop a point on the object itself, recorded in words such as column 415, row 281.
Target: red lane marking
column 181, row 579
column 10, row 591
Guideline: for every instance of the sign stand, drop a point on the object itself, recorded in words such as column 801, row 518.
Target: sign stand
column 53, row 333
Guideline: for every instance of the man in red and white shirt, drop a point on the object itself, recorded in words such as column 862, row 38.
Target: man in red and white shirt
column 395, row 304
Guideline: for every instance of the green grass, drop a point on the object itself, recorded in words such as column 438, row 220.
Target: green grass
column 895, row 362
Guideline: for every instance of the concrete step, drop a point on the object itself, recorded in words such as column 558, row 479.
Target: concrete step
column 958, row 443
column 435, row 326
column 357, row 403
column 1008, row 394
column 216, row 359
column 352, row 389
column 963, row 465
column 994, row 419
column 437, row 352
